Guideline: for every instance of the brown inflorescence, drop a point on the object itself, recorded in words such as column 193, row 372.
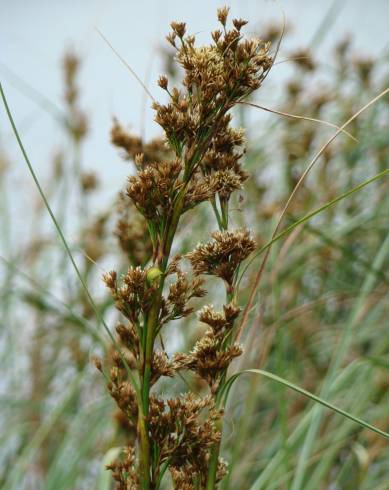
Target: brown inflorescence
column 222, row 256
column 197, row 160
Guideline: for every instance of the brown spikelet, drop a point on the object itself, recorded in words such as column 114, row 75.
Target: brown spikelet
column 198, row 159
column 222, row 256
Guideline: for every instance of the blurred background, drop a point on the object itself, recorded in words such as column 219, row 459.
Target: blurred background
column 324, row 305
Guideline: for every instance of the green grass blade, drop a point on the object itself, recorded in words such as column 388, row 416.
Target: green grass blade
column 105, row 479
column 313, row 397
column 21, row 464
column 308, row 394
column 336, row 363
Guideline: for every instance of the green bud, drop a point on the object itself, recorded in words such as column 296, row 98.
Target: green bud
column 153, row 276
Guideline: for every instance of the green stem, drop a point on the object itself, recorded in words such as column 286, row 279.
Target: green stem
column 143, row 432
column 144, row 460
column 215, row 451
column 151, row 326
column 224, row 210
column 151, row 330
column 217, row 214
column 162, row 472
column 213, row 461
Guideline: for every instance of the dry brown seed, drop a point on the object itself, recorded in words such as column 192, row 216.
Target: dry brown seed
column 179, row 28
column 163, row 82
column 222, row 14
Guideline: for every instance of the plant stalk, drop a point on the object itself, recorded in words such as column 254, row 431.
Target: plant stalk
column 151, row 327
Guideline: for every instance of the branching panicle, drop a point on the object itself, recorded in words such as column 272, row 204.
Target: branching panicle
column 198, row 160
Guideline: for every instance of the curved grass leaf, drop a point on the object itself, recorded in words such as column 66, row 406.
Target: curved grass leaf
column 306, row 393
column 105, row 480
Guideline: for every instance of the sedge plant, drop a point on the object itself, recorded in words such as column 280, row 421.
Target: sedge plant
column 200, row 162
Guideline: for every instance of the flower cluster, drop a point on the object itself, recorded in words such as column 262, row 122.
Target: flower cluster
column 154, row 189
column 132, row 294
column 212, row 353
column 196, row 120
column 183, row 438
column 216, row 76
column 124, row 471
column 222, row 256
column 181, row 292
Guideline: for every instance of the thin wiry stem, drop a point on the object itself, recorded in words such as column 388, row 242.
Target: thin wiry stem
column 308, row 394
column 147, row 91
column 295, row 116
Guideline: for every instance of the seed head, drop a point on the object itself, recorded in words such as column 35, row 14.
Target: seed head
column 163, row 82
column 222, row 14
column 110, row 279
column 222, row 256
column 179, row 28
column 239, row 23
